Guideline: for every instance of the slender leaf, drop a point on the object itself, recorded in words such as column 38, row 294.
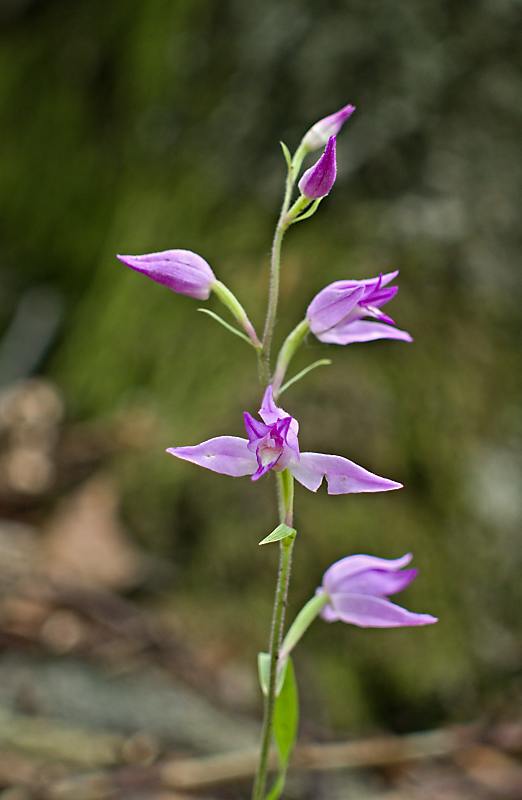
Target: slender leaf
column 286, row 153
column 286, row 715
column 277, row 789
column 226, row 324
column 286, row 720
column 309, row 211
column 322, row 362
column 281, row 532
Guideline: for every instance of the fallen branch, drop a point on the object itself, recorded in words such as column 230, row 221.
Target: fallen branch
column 202, row 773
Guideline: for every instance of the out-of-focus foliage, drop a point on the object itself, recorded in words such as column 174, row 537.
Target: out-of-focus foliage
column 137, row 126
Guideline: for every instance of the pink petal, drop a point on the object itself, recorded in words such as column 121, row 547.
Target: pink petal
column 333, row 304
column 228, row 455
column 377, row 582
column 350, row 566
column 269, row 412
column 388, row 277
column 362, row 331
column 255, row 429
column 374, row 612
column 342, row 475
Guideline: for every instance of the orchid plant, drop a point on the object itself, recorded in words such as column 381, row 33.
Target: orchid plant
column 355, row 589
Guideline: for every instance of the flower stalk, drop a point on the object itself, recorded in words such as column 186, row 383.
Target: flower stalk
column 356, row 589
column 285, row 495
column 275, row 268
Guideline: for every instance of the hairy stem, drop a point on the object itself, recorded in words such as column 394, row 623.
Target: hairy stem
column 275, row 264
column 285, row 491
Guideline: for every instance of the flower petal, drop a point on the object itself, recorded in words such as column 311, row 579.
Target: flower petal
column 353, row 565
column 373, row 612
column 376, row 582
column 255, row 429
column 362, row 331
column 182, row 271
column 332, row 304
column 228, row 455
column 269, row 412
column 319, row 179
column 343, row 476
column 383, row 280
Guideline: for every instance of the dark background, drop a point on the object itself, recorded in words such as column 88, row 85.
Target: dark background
column 140, row 126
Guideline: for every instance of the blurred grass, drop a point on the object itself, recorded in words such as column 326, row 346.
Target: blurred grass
column 134, row 127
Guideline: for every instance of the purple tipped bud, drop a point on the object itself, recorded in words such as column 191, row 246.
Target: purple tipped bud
column 319, row 133
column 181, row 271
column 318, row 180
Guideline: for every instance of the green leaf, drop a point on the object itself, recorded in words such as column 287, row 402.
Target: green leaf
column 277, row 789
column 263, row 670
column 286, row 715
column 286, row 720
column 286, row 153
column 322, row 362
column 309, row 211
column 225, row 324
column 281, row 532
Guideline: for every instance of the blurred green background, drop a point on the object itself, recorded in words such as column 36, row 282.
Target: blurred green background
column 140, row 126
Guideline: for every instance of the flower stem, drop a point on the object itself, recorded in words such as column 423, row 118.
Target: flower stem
column 275, row 263
column 285, row 492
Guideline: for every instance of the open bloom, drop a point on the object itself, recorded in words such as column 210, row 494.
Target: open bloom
column 358, row 589
column 181, row 271
column 336, row 314
column 272, row 444
column 319, row 133
column 317, row 181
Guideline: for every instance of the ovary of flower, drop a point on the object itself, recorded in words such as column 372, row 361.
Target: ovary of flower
column 272, row 444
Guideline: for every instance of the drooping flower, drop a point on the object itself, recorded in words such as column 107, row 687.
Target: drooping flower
column 358, row 588
column 181, row 271
column 336, row 314
column 317, row 181
column 273, row 444
column 318, row 134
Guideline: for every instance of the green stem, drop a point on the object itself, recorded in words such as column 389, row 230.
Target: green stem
column 275, row 264
column 285, row 491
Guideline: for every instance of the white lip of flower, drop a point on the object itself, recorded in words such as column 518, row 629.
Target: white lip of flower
column 372, row 310
column 268, row 454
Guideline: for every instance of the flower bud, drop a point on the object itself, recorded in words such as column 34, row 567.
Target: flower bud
column 317, row 181
column 181, row 271
column 319, row 133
